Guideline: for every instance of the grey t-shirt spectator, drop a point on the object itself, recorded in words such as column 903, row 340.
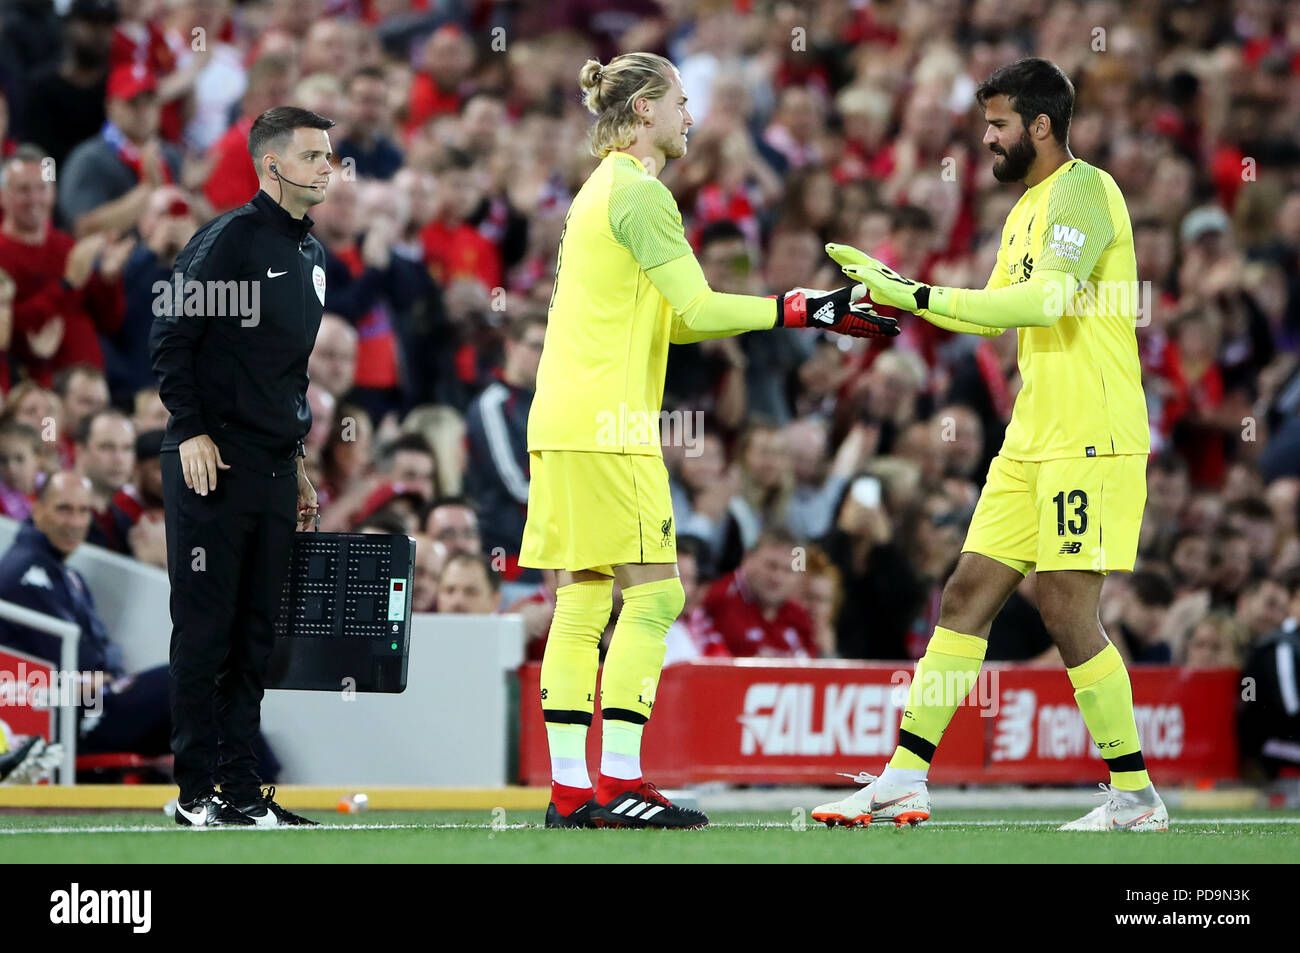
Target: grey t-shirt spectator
column 93, row 175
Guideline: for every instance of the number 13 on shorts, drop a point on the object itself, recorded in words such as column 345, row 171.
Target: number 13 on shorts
column 1080, row 513
column 1089, row 511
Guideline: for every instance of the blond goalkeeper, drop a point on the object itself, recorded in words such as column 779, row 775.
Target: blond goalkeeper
column 627, row 285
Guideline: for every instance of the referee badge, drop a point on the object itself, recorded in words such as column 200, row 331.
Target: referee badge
column 318, row 282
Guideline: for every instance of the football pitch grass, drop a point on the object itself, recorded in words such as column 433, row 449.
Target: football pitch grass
column 967, row 836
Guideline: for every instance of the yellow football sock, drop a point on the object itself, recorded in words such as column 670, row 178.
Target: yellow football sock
column 573, row 651
column 636, row 650
column 944, row 677
column 1105, row 696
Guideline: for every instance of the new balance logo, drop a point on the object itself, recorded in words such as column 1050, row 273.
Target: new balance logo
column 1071, row 549
column 1068, row 235
column 825, row 314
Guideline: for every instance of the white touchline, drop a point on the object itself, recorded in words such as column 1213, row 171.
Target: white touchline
column 766, row 825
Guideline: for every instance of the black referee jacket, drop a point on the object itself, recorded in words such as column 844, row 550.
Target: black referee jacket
column 233, row 331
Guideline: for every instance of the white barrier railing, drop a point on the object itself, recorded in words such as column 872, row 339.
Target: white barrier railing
column 69, row 635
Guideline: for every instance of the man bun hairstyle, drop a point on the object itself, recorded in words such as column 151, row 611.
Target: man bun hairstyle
column 610, row 92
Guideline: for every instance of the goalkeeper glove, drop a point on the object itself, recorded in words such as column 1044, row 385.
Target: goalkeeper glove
column 833, row 311
column 887, row 287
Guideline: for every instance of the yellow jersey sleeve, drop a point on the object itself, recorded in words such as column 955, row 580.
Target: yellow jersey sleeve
column 644, row 219
column 1077, row 223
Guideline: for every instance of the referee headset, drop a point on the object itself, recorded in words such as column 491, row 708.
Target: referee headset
column 281, row 179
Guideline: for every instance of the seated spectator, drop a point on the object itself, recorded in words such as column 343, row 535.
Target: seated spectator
column 1141, row 619
column 765, row 493
column 877, row 570
column 372, row 152
column 149, row 412
column 35, row 407
column 65, row 100
column 822, row 595
column 333, row 361
column 444, row 428
column 20, row 469
column 82, row 389
column 701, row 493
column 1168, row 488
column 408, row 460
column 107, row 181
column 106, row 458
column 430, row 557
column 468, row 586
column 1252, row 517
column 453, row 521
column 142, row 502
column 752, row 610
column 496, row 426
column 136, row 715
column 166, row 226
column 1230, row 560
column 66, row 291
column 232, row 179
column 345, row 456
column 393, row 499
column 1268, row 717
column 1261, row 607
column 383, row 523
column 1189, row 559
column 818, row 482
column 1216, row 642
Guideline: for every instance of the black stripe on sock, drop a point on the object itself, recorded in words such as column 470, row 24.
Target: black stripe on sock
column 623, row 714
column 916, row 744
column 1127, row 762
column 557, row 717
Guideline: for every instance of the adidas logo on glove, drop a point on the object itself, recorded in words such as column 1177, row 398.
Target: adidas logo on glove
column 825, row 314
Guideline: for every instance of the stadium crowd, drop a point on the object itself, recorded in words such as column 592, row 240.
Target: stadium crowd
column 821, row 486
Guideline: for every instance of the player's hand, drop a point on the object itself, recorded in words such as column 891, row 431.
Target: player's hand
column 886, row 286
column 837, row 311
column 200, row 461
column 307, row 502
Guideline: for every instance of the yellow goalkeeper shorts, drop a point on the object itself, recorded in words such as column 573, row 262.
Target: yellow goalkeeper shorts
column 593, row 510
column 1079, row 513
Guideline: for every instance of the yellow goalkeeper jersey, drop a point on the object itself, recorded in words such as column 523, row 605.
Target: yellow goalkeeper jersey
column 1082, row 381
column 600, row 383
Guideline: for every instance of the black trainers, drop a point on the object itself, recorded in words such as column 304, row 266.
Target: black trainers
column 580, row 818
column 211, row 810
column 266, row 813
column 645, row 807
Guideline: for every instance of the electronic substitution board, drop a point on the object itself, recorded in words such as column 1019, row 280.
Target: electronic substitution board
column 345, row 614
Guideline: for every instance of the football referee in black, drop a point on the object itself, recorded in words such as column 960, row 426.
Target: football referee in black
column 230, row 347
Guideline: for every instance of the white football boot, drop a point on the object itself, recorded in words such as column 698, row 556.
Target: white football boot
column 901, row 804
column 1123, row 811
